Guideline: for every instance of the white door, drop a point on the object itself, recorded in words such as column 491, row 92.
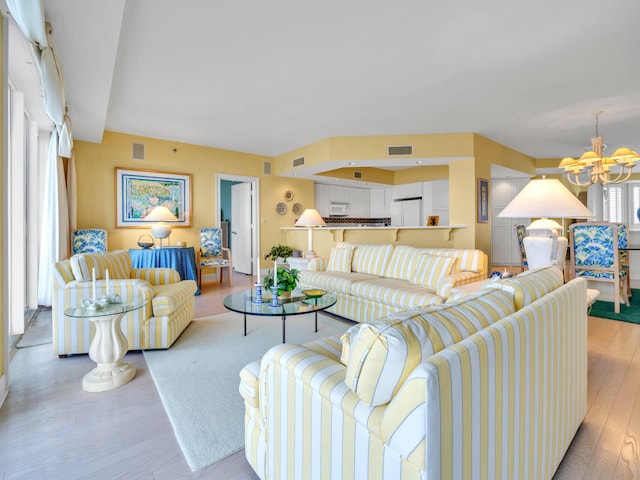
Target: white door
column 241, row 227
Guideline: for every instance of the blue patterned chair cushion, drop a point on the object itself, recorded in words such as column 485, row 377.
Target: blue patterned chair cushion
column 210, row 243
column 594, row 247
column 90, row 240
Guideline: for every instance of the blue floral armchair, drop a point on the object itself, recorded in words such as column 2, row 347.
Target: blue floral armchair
column 521, row 232
column 596, row 255
column 213, row 255
column 89, row 240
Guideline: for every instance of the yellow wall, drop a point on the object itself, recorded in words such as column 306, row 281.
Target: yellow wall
column 95, row 165
column 444, row 146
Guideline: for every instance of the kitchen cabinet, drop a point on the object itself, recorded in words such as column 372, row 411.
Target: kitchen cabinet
column 505, row 249
column 322, row 199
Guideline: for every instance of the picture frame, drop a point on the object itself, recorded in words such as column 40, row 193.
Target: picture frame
column 483, row 200
column 139, row 191
column 433, row 220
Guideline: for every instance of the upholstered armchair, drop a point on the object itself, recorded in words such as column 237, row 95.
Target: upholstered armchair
column 521, row 232
column 89, row 240
column 213, row 255
column 596, row 255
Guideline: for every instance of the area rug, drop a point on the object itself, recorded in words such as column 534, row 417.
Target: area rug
column 629, row 314
column 197, row 378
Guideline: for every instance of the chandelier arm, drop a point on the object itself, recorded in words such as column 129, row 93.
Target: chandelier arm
column 577, row 182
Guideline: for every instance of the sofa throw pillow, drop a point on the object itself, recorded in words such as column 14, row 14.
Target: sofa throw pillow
column 340, row 259
column 432, row 268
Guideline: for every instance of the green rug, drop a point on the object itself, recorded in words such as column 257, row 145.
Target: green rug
column 629, row 314
column 197, row 378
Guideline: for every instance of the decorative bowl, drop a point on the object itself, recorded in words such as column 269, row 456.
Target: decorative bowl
column 314, row 293
column 145, row 243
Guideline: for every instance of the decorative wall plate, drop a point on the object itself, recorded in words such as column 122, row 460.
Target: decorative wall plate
column 288, row 195
column 281, row 208
column 296, row 209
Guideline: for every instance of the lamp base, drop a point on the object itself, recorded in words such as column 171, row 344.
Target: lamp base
column 310, row 254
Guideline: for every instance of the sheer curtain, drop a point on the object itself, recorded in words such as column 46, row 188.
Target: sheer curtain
column 54, row 241
column 56, row 210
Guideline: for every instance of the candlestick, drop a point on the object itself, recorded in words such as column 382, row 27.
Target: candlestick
column 108, row 287
column 93, row 282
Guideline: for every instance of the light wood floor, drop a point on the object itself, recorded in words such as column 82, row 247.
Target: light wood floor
column 50, row 427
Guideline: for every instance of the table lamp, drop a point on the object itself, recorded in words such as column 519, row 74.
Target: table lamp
column 543, row 198
column 310, row 218
column 161, row 230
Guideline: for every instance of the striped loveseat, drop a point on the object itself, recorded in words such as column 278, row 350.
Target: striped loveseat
column 371, row 281
column 169, row 301
column 492, row 385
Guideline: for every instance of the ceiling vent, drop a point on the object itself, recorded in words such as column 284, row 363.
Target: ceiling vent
column 357, row 174
column 393, row 150
column 138, row 151
column 266, row 168
column 298, row 162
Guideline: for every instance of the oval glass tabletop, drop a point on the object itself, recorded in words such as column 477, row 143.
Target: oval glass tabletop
column 108, row 309
column 242, row 302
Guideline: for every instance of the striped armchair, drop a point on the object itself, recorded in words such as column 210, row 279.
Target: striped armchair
column 169, row 303
column 492, row 386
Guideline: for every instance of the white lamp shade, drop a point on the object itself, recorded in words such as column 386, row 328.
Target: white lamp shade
column 161, row 214
column 310, row 218
column 545, row 197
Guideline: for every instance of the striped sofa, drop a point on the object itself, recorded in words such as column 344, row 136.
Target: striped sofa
column 489, row 386
column 371, row 281
column 168, row 310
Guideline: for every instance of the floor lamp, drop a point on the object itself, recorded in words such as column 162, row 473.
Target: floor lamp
column 545, row 198
column 310, row 218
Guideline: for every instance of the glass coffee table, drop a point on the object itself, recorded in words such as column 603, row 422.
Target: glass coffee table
column 297, row 304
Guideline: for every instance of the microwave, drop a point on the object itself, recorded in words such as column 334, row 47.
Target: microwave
column 339, row 209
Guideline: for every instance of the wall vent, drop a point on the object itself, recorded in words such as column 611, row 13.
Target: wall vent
column 298, row 162
column 137, row 151
column 266, row 168
column 357, row 174
column 400, row 150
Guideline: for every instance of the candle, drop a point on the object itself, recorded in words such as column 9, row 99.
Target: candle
column 108, row 288
column 258, row 269
column 93, row 281
column 275, row 272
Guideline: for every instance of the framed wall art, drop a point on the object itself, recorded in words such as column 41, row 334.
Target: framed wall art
column 138, row 192
column 483, row 200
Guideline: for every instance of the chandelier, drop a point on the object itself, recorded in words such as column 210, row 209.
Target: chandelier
column 598, row 168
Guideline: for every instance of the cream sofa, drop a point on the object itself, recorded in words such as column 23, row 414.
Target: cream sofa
column 489, row 386
column 169, row 301
column 371, row 281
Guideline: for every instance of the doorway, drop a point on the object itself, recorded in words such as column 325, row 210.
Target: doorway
column 238, row 200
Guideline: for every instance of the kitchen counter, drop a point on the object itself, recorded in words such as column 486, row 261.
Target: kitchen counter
column 440, row 236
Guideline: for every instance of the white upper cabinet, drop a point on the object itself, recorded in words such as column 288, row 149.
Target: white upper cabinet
column 322, row 199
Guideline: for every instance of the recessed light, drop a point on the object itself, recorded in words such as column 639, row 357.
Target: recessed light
column 419, row 162
column 352, row 163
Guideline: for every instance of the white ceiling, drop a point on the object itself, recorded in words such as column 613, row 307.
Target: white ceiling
column 269, row 77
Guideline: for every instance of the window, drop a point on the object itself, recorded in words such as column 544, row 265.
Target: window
column 621, row 203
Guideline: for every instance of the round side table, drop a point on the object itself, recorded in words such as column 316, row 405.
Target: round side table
column 107, row 348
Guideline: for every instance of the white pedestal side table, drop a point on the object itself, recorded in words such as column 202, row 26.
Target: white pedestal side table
column 107, row 348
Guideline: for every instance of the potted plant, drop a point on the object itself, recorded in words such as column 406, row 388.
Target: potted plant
column 287, row 280
column 279, row 252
